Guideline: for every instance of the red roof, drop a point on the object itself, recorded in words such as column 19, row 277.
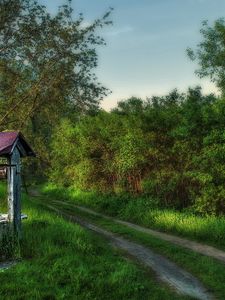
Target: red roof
column 8, row 141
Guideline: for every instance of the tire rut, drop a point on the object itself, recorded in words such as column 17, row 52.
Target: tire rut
column 185, row 243
column 168, row 272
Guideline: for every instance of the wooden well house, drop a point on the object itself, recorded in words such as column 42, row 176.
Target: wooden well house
column 13, row 147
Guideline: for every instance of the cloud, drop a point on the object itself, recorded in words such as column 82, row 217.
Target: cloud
column 119, row 31
column 85, row 24
column 199, row 1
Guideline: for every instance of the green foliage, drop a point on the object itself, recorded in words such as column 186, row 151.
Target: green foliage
column 47, row 67
column 3, row 198
column 169, row 148
column 210, row 52
column 9, row 244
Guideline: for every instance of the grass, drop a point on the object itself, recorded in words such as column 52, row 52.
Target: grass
column 3, row 197
column 143, row 211
column 8, row 244
column 208, row 270
column 60, row 260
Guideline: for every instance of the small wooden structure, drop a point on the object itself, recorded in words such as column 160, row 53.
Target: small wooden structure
column 13, row 147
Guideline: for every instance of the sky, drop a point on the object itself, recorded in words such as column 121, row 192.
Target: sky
column 146, row 45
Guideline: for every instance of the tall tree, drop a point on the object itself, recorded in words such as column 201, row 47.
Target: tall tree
column 46, row 68
column 46, row 61
column 210, row 52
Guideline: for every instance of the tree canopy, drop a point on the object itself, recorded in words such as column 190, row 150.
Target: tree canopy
column 47, row 67
column 210, row 52
column 170, row 148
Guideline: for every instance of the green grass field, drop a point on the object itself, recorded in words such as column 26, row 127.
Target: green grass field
column 60, row 260
column 207, row 229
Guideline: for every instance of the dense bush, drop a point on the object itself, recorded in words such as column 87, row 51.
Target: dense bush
column 170, row 148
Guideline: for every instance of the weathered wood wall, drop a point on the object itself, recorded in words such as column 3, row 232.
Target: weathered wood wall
column 14, row 191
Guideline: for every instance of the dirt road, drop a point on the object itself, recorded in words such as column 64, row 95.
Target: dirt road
column 167, row 271
column 194, row 246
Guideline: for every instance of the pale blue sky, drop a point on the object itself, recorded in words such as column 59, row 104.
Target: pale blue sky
column 146, row 47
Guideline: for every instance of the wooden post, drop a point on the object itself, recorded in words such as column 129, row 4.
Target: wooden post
column 14, row 191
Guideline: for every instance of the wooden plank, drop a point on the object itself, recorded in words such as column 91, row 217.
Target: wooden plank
column 14, row 192
column 21, row 148
column 4, row 218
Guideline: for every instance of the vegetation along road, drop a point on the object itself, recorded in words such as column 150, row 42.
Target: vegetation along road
column 166, row 270
column 195, row 246
column 129, row 201
column 60, row 246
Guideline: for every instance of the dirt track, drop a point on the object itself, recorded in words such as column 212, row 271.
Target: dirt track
column 194, row 246
column 167, row 271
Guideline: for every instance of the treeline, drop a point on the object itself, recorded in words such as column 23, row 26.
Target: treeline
column 170, row 148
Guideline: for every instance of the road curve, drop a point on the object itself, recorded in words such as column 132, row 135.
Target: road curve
column 167, row 271
column 194, row 246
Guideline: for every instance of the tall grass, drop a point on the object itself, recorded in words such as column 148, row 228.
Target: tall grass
column 144, row 211
column 3, row 197
column 9, row 244
column 60, row 260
